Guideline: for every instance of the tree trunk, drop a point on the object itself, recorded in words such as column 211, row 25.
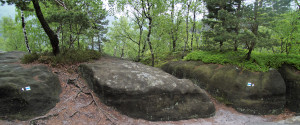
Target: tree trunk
column 24, row 31
column 148, row 39
column 237, row 28
column 92, row 43
column 187, row 30
column 144, row 48
column 78, row 44
column 139, row 43
column 52, row 36
column 235, row 45
column 249, row 52
column 99, row 44
column 194, row 27
column 62, row 38
column 172, row 28
column 221, row 44
column 70, row 36
column 254, row 29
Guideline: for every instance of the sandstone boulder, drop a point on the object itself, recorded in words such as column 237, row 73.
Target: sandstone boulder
column 248, row 92
column 25, row 92
column 291, row 77
column 142, row 91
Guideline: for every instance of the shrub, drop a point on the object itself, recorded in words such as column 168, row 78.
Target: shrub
column 258, row 62
column 68, row 57
column 29, row 58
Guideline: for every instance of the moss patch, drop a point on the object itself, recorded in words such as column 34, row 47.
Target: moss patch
column 259, row 62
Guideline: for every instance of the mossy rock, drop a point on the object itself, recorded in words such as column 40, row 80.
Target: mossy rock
column 18, row 103
column 25, row 92
column 230, row 84
column 292, row 79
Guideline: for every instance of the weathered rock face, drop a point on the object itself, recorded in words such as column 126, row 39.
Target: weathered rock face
column 248, row 92
column 25, row 92
column 11, row 57
column 145, row 92
column 291, row 77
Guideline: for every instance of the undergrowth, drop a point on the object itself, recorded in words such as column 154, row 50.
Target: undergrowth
column 258, row 62
column 162, row 58
column 68, row 57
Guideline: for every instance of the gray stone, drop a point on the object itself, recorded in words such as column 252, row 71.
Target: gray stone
column 291, row 121
column 265, row 95
column 141, row 91
column 11, row 57
column 291, row 77
column 17, row 101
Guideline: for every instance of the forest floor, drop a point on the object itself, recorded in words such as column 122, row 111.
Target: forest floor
column 80, row 106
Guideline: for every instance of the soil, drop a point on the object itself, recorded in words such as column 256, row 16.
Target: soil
column 80, row 106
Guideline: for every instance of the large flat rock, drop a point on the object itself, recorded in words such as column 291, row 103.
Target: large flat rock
column 25, row 92
column 141, row 91
column 248, row 92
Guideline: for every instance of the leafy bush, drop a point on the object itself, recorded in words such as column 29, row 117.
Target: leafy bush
column 29, row 58
column 258, row 62
column 68, row 57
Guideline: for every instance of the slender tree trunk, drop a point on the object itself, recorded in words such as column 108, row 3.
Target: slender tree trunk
column 281, row 45
column 149, row 42
column 238, row 15
column 78, row 44
column 62, row 38
column 249, row 52
column 221, row 44
column 24, row 31
column 139, row 43
column 194, row 27
column 187, row 30
column 115, row 51
column 172, row 28
column 92, row 43
column 52, row 36
column 99, row 44
column 70, row 36
column 144, row 48
column 254, row 29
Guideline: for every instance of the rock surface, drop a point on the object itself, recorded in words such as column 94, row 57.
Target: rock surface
column 291, row 77
column 11, row 57
column 141, row 91
column 19, row 102
column 265, row 93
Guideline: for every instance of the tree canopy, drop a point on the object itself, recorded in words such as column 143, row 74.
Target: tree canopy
column 150, row 30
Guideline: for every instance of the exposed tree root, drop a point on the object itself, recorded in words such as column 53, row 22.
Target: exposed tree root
column 74, row 114
column 33, row 121
column 109, row 116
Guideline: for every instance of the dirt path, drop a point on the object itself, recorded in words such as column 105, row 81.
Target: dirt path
column 79, row 106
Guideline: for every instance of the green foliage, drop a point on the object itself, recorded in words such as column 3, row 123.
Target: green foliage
column 259, row 62
column 70, row 57
column 29, row 58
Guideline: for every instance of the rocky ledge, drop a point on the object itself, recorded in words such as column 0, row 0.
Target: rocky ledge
column 140, row 91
